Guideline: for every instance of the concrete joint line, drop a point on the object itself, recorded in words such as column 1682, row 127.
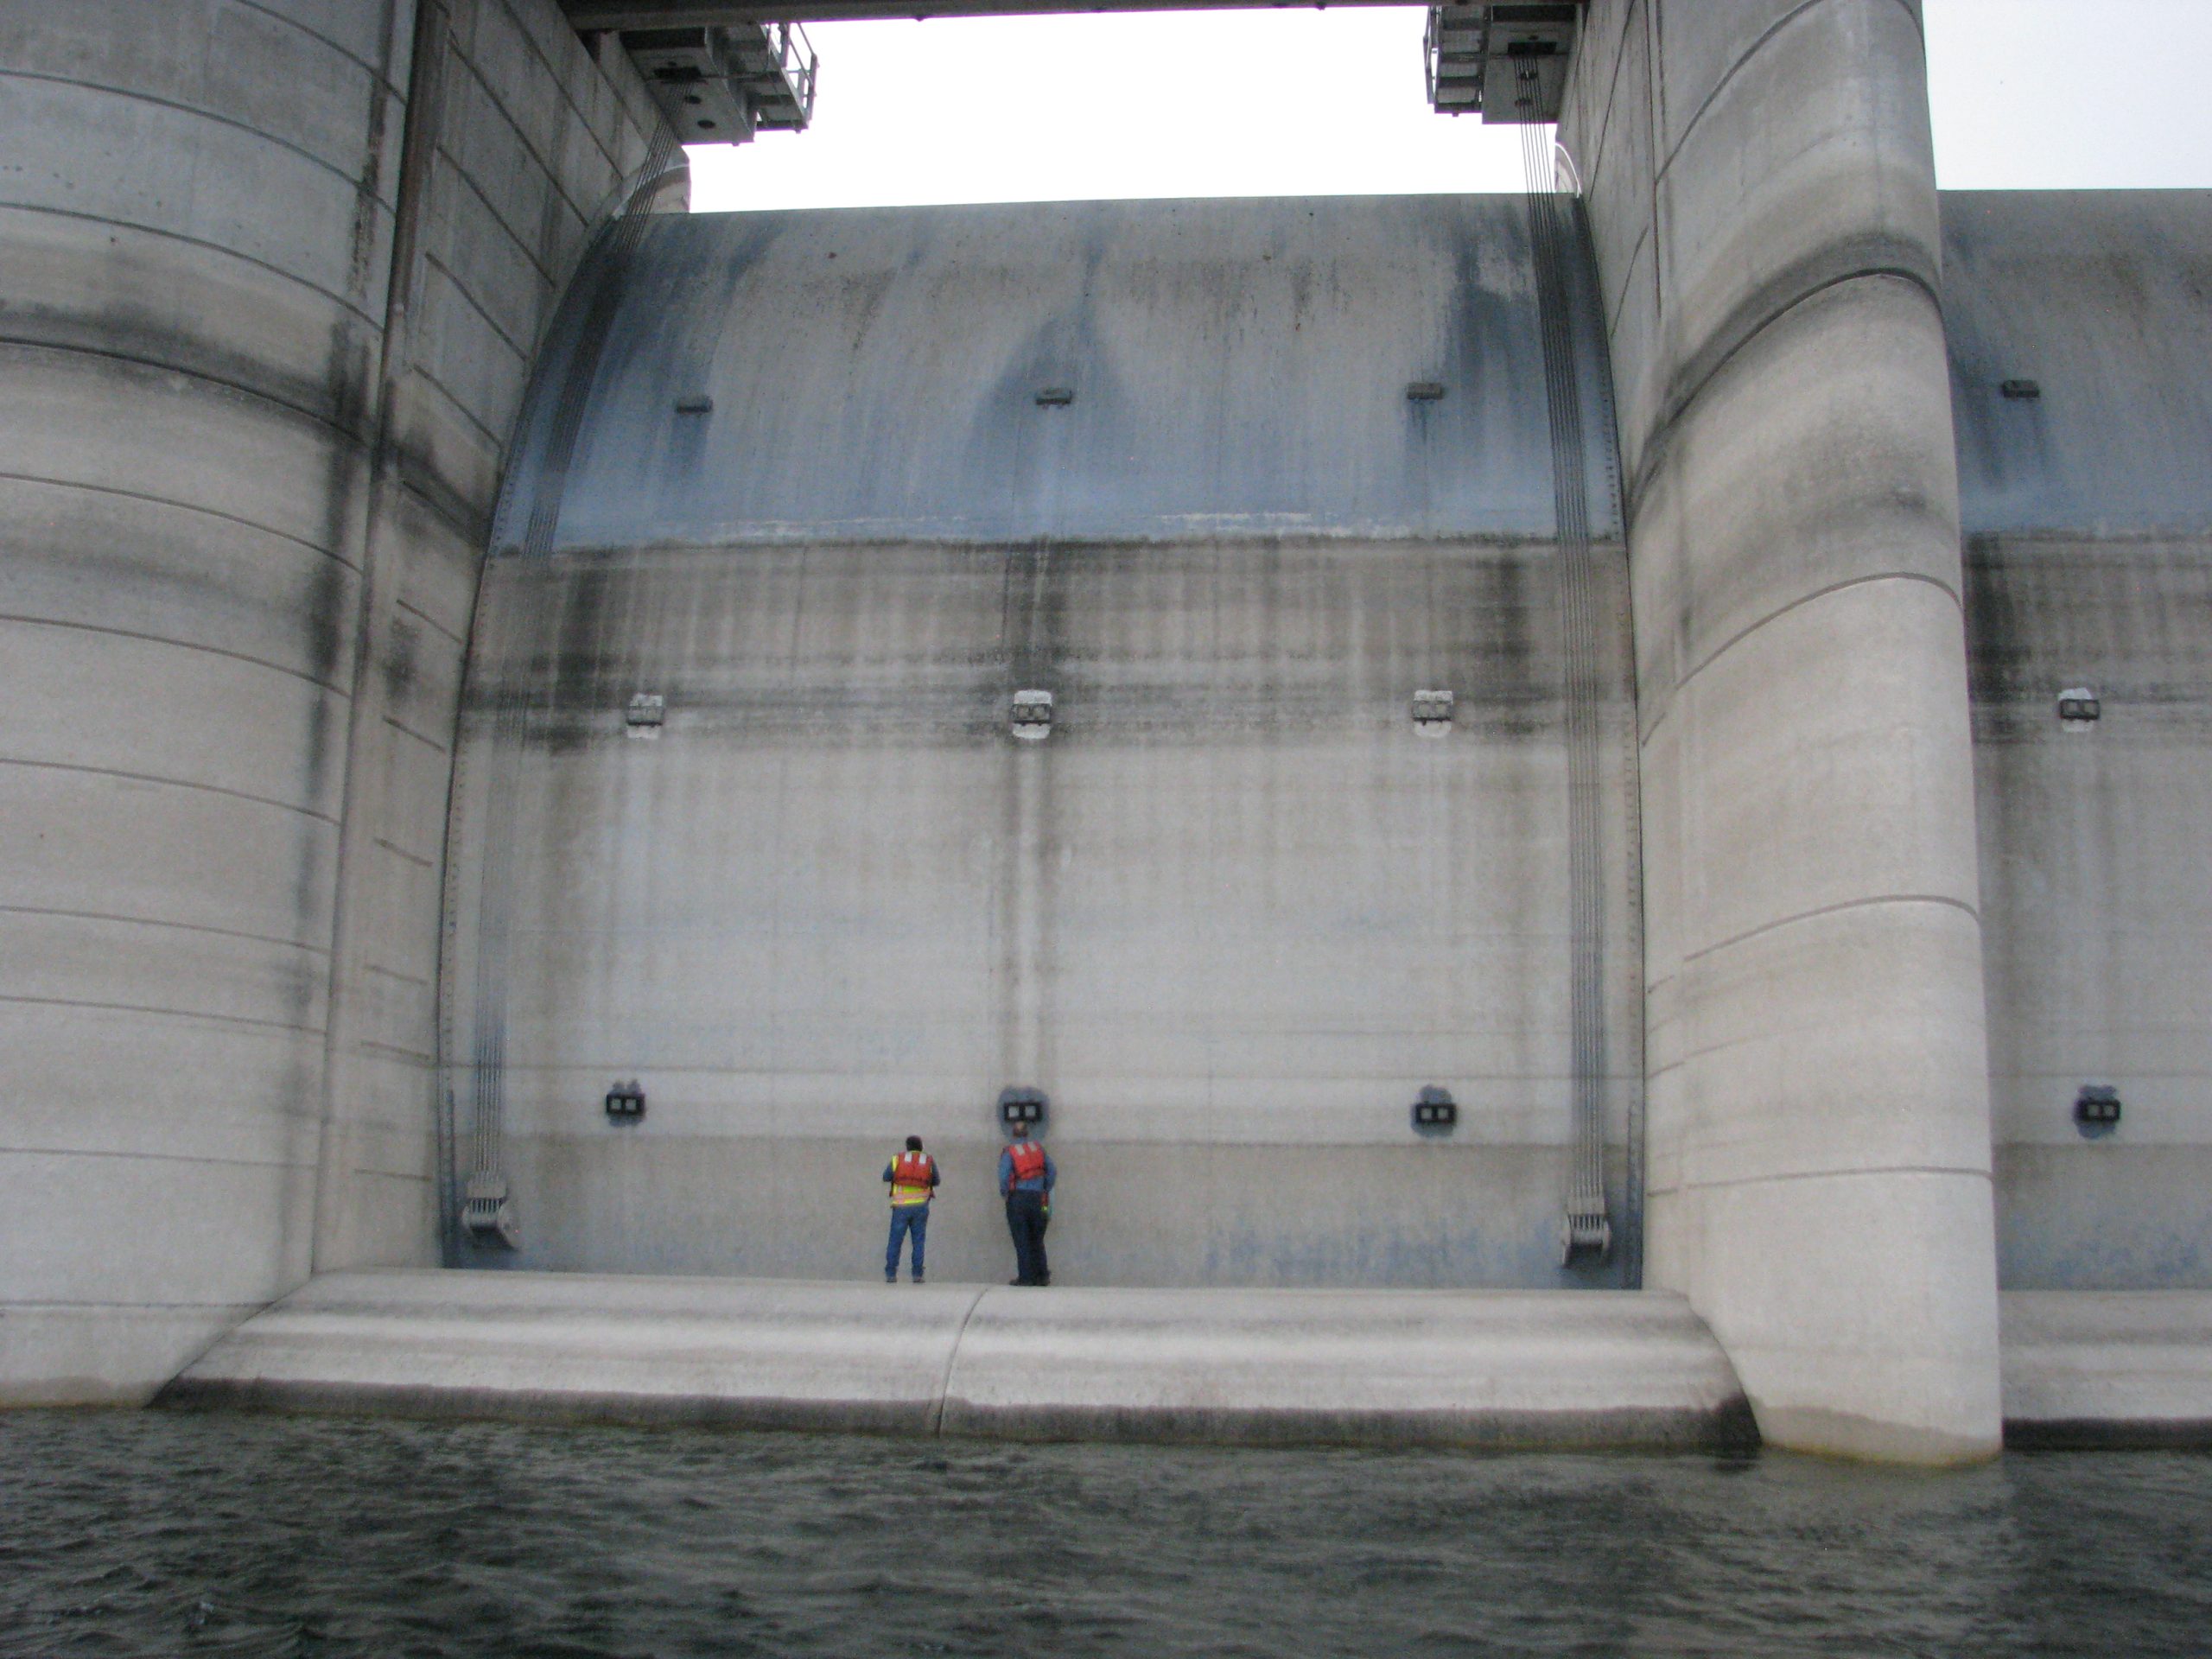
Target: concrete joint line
column 492, row 440
column 155, row 921
column 1643, row 241
column 951, row 1362
column 162, row 501
column 531, row 252
column 165, row 1014
column 1997, row 540
column 15, row 1304
column 1765, row 38
column 158, row 1158
column 1665, row 711
column 1799, row 603
column 514, row 348
column 1661, row 443
column 1699, row 954
column 406, row 730
column 1613, row 95
column 292, row 277
column 375, row 72
column 581, row 60
column 400, row 603
column 64, row 623
column 137, row 96
column 397, row 851
column 254, row 394
column 173, row 783
column 550, row 168
column 1859, row 1174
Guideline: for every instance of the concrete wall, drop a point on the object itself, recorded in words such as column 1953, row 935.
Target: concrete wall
column 2087, row 513
column 246, row 489
column 1232, row 915
column 1763, row 206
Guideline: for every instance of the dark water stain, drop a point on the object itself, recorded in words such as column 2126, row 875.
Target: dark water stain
column 148, row 1534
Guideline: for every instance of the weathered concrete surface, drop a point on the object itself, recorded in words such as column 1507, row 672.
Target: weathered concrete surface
column 1762, row 202
column 1237, row 368
column 1232, row 915
column 261, row 342
column 2088, row 512
column 2102, row 1369
column 1530, row 1368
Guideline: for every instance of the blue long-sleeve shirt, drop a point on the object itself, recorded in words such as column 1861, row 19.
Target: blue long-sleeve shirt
column 1034, row 1184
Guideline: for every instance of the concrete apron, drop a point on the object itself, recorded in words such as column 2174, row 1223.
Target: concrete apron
column 2086, row 1369
column 1499, row 1369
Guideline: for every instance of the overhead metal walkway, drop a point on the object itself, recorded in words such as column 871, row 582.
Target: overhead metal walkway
column 720, row 69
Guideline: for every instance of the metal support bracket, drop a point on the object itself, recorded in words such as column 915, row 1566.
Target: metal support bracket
column 488, row 1217
column 1583, row 1234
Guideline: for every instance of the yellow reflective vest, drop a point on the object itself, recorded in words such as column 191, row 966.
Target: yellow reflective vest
column 913, row 1176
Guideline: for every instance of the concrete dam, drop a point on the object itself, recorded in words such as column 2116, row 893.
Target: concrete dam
column 1578, row 812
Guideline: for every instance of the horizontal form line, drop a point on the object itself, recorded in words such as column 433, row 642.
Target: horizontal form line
column 225, row 249
column 370, row 1045
column 1662, row 440
column 1688, row 1185
column 1798, row 603
column 157, row 921
column 1832, row 910
column 550, row 167
column 375, row 72
column 173, row 783
column 1742, row 59
column 170, row 502
column 468, row 297
column 397, row 851
column 430, row 621
column 304, row 1120
column 275, row 141
column 176, row 645
column 406, row 730
column 151, row 1307
column 344, row 437
column 166, row 1014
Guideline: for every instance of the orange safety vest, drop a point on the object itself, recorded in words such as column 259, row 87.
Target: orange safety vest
column 1028, row 1160
column 911, row 1176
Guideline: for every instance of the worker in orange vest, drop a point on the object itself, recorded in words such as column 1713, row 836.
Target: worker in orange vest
column 1025, row 1180
column 913, row 1176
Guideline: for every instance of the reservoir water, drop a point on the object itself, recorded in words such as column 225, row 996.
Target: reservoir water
column 158, row 1533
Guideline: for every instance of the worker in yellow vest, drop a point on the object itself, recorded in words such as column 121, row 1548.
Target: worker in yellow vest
column 913, row 1177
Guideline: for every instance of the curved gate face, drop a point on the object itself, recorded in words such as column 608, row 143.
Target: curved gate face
column 1122, row 650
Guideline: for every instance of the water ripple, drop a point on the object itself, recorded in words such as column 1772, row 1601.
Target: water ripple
column 218, row 1535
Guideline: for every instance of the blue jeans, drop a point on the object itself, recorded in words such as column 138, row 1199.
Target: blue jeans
column 906, row 1218
column 1026, row 1219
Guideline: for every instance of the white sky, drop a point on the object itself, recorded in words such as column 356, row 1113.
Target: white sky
column 1330, row 103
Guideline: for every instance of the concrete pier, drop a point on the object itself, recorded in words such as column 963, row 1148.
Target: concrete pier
column 274, row 278
column 1762, row 196
column 1498, row 1369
